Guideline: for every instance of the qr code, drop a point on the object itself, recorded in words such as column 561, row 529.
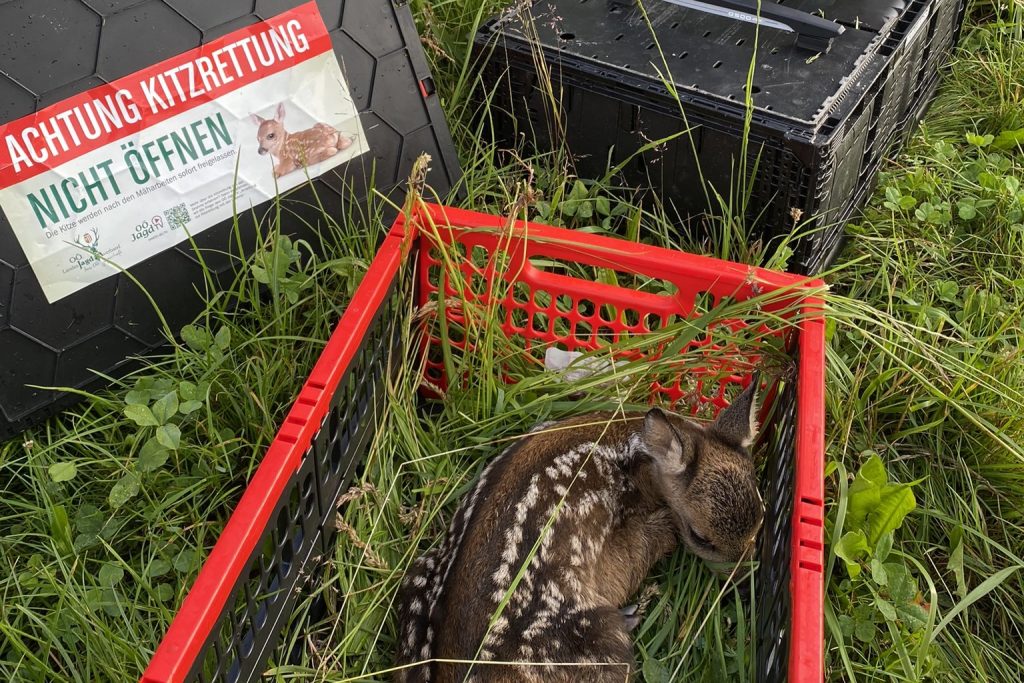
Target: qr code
column 177, row 216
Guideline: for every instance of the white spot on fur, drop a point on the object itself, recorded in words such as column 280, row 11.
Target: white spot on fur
column 542, row 425
column 513, row 538
column 410, row 639
column 752, row 421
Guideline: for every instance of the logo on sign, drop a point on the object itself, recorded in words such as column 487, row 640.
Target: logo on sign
column 88, row 239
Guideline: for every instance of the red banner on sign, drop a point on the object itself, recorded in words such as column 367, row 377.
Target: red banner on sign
column 81, row 124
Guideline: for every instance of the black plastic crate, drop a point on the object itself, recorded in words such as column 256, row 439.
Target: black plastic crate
column 51, row 50
column 822, row 122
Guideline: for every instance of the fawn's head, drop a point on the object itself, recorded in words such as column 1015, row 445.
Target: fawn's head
column 706, row 475
column 271, row 134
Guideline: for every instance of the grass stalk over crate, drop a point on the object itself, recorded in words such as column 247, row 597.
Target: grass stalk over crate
column 101, row 535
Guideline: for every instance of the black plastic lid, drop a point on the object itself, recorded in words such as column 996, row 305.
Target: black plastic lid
column 704, row 52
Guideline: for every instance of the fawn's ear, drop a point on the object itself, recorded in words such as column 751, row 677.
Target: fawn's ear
column 737, row 424
column 257, row 119
column 671, row 451
column 280, row 113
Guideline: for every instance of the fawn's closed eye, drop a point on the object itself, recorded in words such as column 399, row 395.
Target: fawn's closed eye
column 701, row 540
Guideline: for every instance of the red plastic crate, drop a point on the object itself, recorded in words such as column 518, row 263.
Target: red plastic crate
column 234, row 613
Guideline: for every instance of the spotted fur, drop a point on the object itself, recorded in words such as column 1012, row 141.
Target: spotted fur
column 557, row 534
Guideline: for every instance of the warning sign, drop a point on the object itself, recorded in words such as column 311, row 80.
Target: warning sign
column 106, row 179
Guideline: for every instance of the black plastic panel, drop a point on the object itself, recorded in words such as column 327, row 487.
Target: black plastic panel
column 773, row 598
column 53, row 49
column 705, row 52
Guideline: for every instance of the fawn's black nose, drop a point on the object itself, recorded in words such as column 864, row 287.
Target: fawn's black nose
column 263, row 150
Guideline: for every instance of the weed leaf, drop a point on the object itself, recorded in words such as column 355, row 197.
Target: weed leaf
column 883, row 547
column 166, row 408
column 63, row 471
column 223, row 338
column 185, row 561
column 1009, row 139
column 655, row 672
column 158, row 567
column 110, row 574
column 894, row 503
column 197, row 338
column 980, row 591
column 141, row 415
column 851, row 548
column 865, row 630
column 189, row 407
column 153, row 454
column 89, row 520
column 126, row 488
column 913, row 614
column 863, row 499
column 886, row 609
column 878, row 572
column 902, row 586
column 956, row 565
column 169, row 436
column 846, row 625
column 137, row 397
column 873, row 471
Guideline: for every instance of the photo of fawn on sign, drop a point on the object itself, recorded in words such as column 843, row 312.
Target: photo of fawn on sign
column 294, row 151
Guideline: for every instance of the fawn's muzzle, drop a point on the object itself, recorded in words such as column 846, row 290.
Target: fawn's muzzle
column 262, row 151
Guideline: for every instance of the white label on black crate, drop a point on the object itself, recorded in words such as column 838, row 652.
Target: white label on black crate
column 112, row 176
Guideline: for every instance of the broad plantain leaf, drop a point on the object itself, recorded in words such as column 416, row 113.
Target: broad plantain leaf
column 851, row 548
column 895, row 501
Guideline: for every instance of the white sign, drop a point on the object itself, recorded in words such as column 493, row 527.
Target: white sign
column 112, row 176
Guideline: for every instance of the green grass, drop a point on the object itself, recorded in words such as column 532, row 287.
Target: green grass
column 925, row 370
column 421, row 463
